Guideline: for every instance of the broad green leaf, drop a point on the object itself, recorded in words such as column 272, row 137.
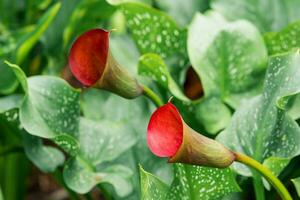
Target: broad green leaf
column 46, row 158
column 28, row 41
column 212, row 113
column 152, row 187
column 284, row 40
column 153, row 31
column 194, row 182
column 102, row 105
column 152, row 65
column 119, row 45
column 296, row 182
column 50, row 108
column 10, row 102
column 100, row 141
column 261, row 127
column 267, row 15
column 104, row 140
column 81, row 177
column 183, row 11
column 230, row 57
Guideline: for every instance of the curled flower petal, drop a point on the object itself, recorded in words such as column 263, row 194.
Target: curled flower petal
column 165, row 131
column 88, row 56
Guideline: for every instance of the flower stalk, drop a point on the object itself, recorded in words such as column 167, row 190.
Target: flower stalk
column 272, row 179
column 147, row 92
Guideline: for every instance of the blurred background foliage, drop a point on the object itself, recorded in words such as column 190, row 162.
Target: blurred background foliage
column 108, row 137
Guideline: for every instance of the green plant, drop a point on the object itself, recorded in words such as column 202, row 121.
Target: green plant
column 244, row 57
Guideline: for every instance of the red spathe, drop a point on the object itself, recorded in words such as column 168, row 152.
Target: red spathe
column 88, row 56
column 165, row 131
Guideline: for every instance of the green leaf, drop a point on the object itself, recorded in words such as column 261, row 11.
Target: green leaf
column 81, row 177
column 230, row 58
column 212, row 114
column 194, row 182
column 190, row 182
column 152, row 187
column 296, row 182
column 119, row 45
column 46, row 158
column 261, row 127
column 284, row 40
column 50, row 107
column 100, row 141
column 10, row 102
column 183, row 11
column 29, row 40
column 152, row 65
column 267, row 15
column 153, row 31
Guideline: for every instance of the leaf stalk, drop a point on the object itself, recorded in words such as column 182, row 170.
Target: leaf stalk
column 272, row 179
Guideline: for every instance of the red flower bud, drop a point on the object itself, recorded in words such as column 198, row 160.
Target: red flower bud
column 169, row 136
column 94, row 66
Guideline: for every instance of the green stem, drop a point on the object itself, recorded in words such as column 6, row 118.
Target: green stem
column 152, row 96
column 258, row 186
column 273, row 180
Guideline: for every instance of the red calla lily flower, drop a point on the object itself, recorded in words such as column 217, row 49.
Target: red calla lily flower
column 88, row 56
column 93, row 65
column 169, row 136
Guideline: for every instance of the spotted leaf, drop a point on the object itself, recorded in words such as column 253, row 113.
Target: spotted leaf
column 154, row 32
column 46, row 158
column 230, row 58
column 152, row 187
column 152, row 65
column 100, row 141
column 49, row 109
column 261, row 127
column 267, row 15
column 194, row 182
column 284, row 40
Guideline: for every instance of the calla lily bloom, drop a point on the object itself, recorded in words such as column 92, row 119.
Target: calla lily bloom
column 169, row 136
column 93, row 65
